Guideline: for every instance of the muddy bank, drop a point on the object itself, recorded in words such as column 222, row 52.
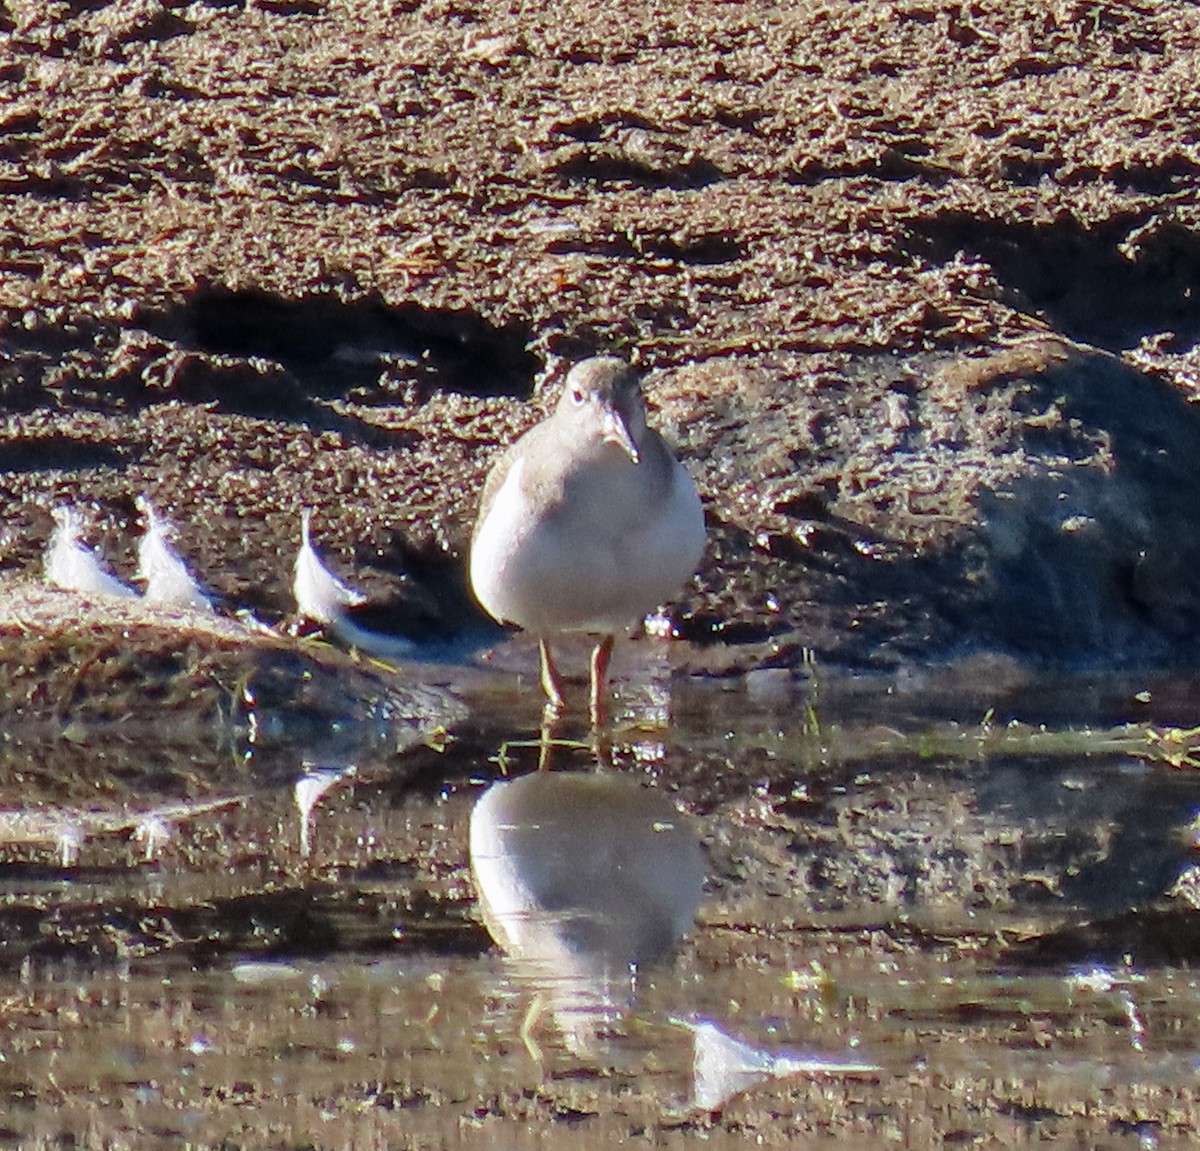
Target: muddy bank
column 262, row 255
column 79, row 672
column 914, row 286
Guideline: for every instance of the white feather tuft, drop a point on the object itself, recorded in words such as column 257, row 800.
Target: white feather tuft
column 320, row 595
column 72, row 565
column 168, row 582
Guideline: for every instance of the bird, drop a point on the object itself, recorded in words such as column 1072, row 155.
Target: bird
column 72, row 565
column 168, row 582
column 582, row 878
column 586, row 523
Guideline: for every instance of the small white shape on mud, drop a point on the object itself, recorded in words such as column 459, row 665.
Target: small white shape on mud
column 168, row 582
column 73, row 566
column 320, row 595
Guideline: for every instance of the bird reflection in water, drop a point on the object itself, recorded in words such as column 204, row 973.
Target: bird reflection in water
column 583, row 881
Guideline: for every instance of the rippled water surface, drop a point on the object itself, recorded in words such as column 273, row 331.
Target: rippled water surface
column 947, row 907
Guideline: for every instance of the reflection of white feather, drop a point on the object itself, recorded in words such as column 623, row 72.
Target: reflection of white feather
column 307, row 792
column 723, row 1066
column 168, row 582
column 320, row 595
column 69, row 828
column 72, row 565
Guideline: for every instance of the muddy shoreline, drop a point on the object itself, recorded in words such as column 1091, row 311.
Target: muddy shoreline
column 874, row 257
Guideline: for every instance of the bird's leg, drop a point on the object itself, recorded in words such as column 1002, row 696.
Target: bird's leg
column 601, row 654
column 551, row 680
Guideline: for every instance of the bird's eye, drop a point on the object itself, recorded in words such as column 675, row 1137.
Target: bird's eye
column 576, row 396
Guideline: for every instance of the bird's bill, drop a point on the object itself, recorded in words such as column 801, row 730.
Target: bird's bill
column 616, row 431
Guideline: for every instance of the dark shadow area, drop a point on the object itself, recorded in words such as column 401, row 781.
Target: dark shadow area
column 1091, row 558
column 853, row 609
column 309, row 921
column 591, row 128
column 1075, row 545
column 434, row 606
column 900, row 161
column 328, row 343
column 705, row 250
column 35, row 455
column 265, row 389
column 610, row 167
column 293, row 7
column 1160, row 176
column 1144, row 851
column 1090, row 283
column 1142, row 938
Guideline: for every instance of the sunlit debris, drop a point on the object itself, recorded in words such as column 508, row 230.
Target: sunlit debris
column 320, row 595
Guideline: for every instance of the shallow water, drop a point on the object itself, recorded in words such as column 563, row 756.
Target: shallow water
column 864, row 909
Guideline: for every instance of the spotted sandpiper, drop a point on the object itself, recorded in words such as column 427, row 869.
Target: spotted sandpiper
column 587, row 522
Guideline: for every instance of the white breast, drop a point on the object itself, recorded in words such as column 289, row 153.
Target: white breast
column 601, row 560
